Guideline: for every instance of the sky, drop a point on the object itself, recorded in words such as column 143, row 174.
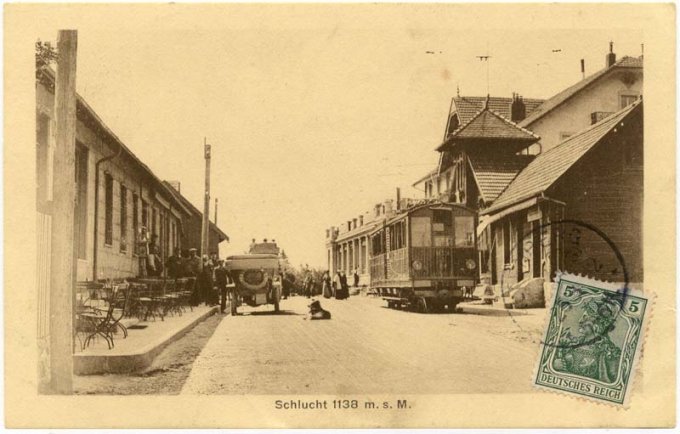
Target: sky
column 309, row 125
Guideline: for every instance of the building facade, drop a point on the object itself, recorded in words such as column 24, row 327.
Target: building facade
column 348, row 246
column 192, row 224
column 588, row 101
column 577, row 207
column 116, row 195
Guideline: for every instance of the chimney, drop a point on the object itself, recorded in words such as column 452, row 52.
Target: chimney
column 583, row 68
column 354, row 223
column 518, row 111
column 388, row 207
column 175, row 185
column 361, row 220
column 376, row 208
column 349, row 225
column 398, row 198
column 611, row 57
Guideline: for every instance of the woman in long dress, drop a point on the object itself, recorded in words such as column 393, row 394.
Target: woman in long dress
column 326, row 285
column 337, row 286
column 344, row 289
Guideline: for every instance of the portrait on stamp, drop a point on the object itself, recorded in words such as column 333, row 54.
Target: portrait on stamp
column 593, row 339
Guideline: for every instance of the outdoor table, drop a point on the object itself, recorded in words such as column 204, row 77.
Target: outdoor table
column 95, row 324
column 153, row 301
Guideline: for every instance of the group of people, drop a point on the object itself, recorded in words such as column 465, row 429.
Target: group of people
column 208, row 275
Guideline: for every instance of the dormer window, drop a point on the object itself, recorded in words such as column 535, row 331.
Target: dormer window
column 627, row 99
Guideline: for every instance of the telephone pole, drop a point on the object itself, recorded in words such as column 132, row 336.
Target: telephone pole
column 62, row 280
column 206, row 202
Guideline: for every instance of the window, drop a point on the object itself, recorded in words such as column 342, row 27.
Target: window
column 421, row 232
column 153, row 222
column 442, row 228
column 484, row 252
column 536, row 248
column 465, row 231
column 135, row 217
column 506, row 242
column 397, row 236
column 123, row 219
column 145, row 215
column 81, row 201
column 627, row 100
column 108, row 212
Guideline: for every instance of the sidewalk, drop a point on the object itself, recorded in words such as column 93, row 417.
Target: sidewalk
column 535, row 315
column 143, row 343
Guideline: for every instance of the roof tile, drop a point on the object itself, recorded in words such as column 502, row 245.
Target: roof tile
column 549, row 166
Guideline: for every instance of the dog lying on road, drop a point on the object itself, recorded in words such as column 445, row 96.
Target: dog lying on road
column 317, row 312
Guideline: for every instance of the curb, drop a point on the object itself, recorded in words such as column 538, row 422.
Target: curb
column 494, row 311
column 85, row 364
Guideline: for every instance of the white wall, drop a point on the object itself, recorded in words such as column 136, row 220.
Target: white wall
column 573, row 115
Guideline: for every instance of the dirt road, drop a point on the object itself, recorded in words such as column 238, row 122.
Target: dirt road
column 364, row 348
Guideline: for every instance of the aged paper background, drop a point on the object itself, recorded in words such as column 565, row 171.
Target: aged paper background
column 652, row 405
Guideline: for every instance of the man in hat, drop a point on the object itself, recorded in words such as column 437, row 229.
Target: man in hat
column 193, row 267
column 174, row 264
column 222, row 279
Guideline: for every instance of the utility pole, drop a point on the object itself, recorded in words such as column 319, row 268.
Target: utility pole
column 206, row 202
column 62, row 273
column 216, row 200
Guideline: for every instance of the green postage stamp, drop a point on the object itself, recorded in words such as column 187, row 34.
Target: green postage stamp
column 593, row 340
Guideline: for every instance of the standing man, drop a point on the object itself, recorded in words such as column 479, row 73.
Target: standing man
column 143, row 250
column 174, row 264
column 194, row 267
column 356, row 278
column 206, row 282
column 308, row 284
column 222, row 280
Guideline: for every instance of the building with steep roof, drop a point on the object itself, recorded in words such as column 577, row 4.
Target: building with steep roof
column 479, row 159
column 595, row 176
column 463, row 108
column 116, row 195
column 589, row 100
column 192, row 224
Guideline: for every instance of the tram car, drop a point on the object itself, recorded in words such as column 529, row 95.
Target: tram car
column 256, row 276
column 424, row 258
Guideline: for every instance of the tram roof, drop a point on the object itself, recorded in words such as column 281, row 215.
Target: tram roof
column 425, row 203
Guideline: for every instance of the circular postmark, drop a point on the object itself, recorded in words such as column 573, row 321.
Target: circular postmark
column 580, row 248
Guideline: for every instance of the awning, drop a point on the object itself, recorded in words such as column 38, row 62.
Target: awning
column 486, row 220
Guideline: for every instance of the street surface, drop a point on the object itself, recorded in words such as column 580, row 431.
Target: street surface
column 365, row 348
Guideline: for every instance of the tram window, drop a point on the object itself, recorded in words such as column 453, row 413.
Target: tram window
column 441, row 221
column 465, row 231
column 377, row 248
column 421, row 234
column 397, row 238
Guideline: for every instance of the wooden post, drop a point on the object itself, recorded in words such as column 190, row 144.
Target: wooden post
column 62, row 281
column 206, row 203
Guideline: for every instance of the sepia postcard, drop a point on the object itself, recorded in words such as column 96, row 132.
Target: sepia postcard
column 339, row 215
